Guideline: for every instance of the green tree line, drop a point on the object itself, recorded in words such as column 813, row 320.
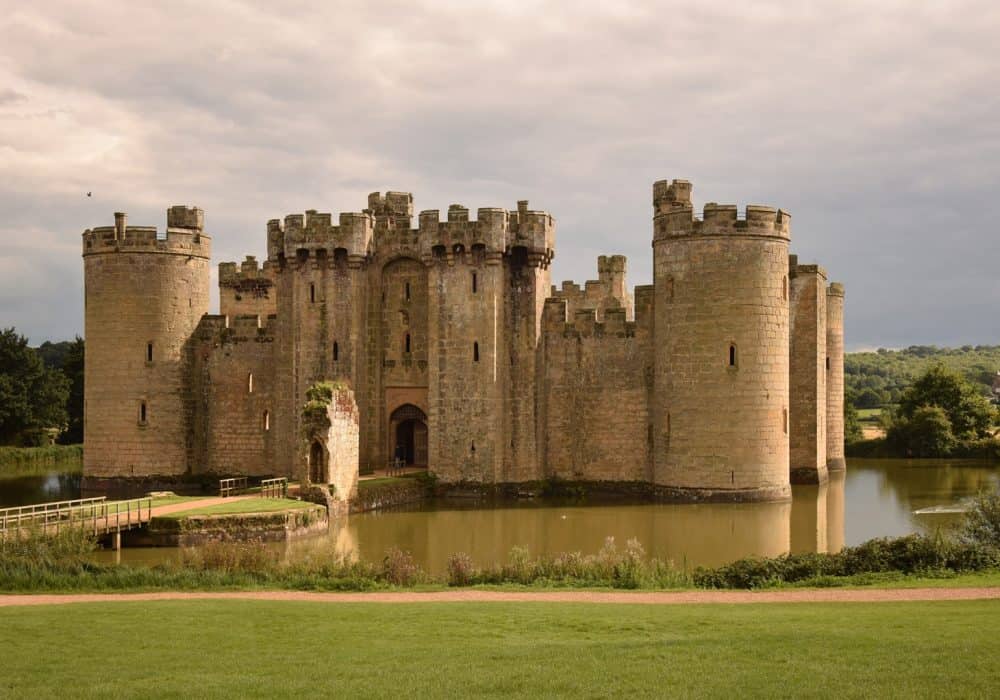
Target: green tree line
column 40, row 390
column 876, row 379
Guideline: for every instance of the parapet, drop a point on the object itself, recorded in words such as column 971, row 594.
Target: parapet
column 674, row 217
column 601, row 295
column 836, row 289
column 247, row 273
column 797, row 269
column 314, row 231
column 584, row 323
column 184, row 236
column 218, row 329
column 669, row 195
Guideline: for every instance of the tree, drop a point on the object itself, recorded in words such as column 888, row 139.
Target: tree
column 852, row 426
column 926, row 433
column 869, row 398
column 72, row 367
column 970, row 414
column 32, row 396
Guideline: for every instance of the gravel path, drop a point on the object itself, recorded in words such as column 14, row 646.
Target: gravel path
column 826, row 595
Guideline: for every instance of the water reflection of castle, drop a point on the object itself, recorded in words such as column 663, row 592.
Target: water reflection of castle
column 688, row 535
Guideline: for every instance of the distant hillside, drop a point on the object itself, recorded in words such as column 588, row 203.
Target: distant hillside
column 873, row 379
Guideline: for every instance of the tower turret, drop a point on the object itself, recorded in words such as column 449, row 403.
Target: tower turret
column 720, row 408
column 144, row 295
column 835, row 378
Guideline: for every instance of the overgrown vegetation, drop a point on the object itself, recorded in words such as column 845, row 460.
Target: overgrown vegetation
column 939, row 415
column 875, row 379
column 31, row 461
column 65, row 562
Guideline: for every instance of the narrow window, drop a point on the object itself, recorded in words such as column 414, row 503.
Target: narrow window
column 828, row 364
column 784, row 288
column 267, row 421
column 407, row 343
column 732, row 355
column 250, row 383
column 475, row 351
column 312, row 293
column 670, row 288
column 668, row 430
column 142, row 413
column 475, row 286
column 149, row 352
column 407, row 291
column 784, row 420
column 336, row 351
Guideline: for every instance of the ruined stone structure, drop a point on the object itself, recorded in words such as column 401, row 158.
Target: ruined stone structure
column 722, row 380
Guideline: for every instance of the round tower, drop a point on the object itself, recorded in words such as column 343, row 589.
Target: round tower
column 720, row 413
column 835, row 378
column 144, row 295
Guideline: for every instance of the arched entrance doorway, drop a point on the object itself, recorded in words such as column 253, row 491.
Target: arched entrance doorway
column 317, row 464
column 408, row 433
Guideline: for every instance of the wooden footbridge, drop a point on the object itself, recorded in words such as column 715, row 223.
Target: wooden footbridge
column 96, row 515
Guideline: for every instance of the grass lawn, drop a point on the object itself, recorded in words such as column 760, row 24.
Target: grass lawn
column 383, row 480
column 205, row 649
column 869, row 414
column 249, row 505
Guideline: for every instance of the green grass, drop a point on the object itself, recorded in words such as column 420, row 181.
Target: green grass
column 208, row 649
column 869, row 414
column 249, row 505
column 37, row 461
column 384, row 480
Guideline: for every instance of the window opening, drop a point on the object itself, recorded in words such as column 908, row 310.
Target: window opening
column 407, row 343
column 336, row 351
column 475, row 285
column 475, row 351
column 142, row 413
column 250, row 383
column 407, row 291
column 312, row 293
column 732, row 355
column 149, row 352
column 267, row 421
column 828, row 363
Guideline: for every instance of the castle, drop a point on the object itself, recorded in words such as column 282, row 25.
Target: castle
column 722, row 380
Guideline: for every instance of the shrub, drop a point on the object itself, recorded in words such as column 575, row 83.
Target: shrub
column 461, row 570
column 399, row 569
column 982, row 522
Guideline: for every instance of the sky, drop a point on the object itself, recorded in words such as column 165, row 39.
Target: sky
column 875, row 124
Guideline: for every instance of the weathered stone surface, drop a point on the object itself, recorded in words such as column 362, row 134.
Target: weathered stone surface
column 457, row 350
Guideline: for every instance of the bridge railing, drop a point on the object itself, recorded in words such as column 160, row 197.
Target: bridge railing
column 96, row 514
column 274, row 488
column 232, row 487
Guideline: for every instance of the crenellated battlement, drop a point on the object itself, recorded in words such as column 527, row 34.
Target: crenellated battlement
column 836, row 289
column 608, row 293
column 674, row 217
column 560, row 320
column 220, row 329
column 184, row 236
column 249, row 273
column 384, row 229
column 315, row 231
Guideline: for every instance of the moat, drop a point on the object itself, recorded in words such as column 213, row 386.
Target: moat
column 876, row 498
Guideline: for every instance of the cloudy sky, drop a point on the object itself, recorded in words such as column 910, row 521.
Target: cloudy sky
column 874, row 123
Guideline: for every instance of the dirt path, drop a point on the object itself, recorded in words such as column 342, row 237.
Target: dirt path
column 202, row 503
column 828, row 595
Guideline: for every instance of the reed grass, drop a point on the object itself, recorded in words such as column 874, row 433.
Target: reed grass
column 37, row 461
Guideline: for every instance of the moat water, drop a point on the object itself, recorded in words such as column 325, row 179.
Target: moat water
column 875, row 498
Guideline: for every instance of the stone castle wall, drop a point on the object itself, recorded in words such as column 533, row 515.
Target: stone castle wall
column 144, row 295
column 807, row 373
column 721, row 358
column 684, row 385
column 835, row 377
column 594, row 396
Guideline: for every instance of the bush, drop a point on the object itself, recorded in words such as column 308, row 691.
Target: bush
column 982, row 521
column 399, row 569
column 461, row 570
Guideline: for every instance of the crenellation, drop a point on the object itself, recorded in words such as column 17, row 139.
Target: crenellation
column 459, row 352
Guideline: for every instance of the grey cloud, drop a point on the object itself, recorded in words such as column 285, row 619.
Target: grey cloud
column 872, row 122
